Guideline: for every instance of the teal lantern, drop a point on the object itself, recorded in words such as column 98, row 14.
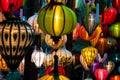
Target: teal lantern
column 56, row 19
column 114, row 30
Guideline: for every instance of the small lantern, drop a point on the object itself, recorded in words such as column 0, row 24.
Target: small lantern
column 89, row 54
column 56, row 19
column 101, row 74
column 115, row 77
column 38, row 57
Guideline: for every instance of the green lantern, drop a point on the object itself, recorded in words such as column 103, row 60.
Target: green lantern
column 56, row 19
column 114, row 30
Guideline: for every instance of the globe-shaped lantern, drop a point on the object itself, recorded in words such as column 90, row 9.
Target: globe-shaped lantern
column 15, row 37
column 56, row 19
column 89, row 54
column 101, row 74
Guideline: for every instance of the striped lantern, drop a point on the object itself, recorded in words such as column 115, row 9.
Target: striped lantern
column 15, row 37
column 56, row 19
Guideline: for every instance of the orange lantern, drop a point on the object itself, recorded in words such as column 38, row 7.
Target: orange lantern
column 115, row 77
column 89, row 54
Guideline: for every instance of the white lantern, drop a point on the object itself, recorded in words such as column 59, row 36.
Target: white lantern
column 38, row 57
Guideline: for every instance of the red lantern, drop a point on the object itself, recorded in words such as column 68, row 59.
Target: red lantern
column 5, row 4
column 116, row 77
column 101, row 74
column 116, row 3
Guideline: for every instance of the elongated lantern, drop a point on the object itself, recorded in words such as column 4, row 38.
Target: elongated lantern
column 56, row 19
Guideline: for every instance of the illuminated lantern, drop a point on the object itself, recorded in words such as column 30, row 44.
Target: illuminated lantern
column 5, row 4
column 101, row 45
column 21, row 67
column 50, row 42
column 115, row 77
column 116, row 3
column 38, row 57
column 64, row 56
column 16, row 36
column 56, row 19
column 33, row 22
column 101, row 74
column 2, row 17
column 61, row 70
column 114, row 30
column 109, row 66
column 3, row 65
column 89, row 54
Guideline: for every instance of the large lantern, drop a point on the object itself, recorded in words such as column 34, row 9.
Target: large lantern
column 15, row 37
column 101, row 74
column 89, row 54
column 56, row 19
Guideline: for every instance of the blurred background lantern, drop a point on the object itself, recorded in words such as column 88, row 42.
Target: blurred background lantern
column 115, row 77
column 2, row 17
column 102, row 45
column 50, row 42
column 93, row 67
column 5, row 4
column 101, row 74
column 16, row 36
column 21, row 67
column 112, row 43
column 3, row 65
column 116, row 4
column 89, row 54
column 38, row 57
column 101, row 59
column 109, row 66
column 114, row 30
column 64, row 56
column 59, row 17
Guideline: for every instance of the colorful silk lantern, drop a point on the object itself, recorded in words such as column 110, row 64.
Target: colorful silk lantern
column 101, row 74
column 116, row 3
column 109, row 66
column 115, row 77
column 38, row 57
column 102, row 45
column 114, row 30
column 16, row 36
column 50, row 41
column 5, row 4
column 89, row 54
column 56, row 19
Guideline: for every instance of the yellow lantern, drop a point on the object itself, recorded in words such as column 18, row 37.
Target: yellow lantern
column 89, row 54
column 3, row 65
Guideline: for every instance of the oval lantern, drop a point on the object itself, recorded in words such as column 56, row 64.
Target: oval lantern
column 50, row 42
column 114, row 30
column 64, row 56
column 34, row 23
column 38, row 57
column 109, row 66
column 15, row 37
column 5, row 4
column 56, row 19
column 115, row 77
column 101, row 74
column 89, row 54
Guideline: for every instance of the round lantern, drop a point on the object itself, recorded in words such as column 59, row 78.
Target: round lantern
column 101, row 45
column 89, row 54
column 101, row 74
column 21, row 67
column 15, row 37
column 33, row 22
column 109, row 66
column 115, row 77
column 3, row 65
column 114, row 30
column 38, row 57
column 50, row 42
column 56, row 19
column 5, row 4
column 64, row 56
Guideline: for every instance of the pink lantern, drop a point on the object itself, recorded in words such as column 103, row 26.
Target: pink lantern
column 101, row 74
